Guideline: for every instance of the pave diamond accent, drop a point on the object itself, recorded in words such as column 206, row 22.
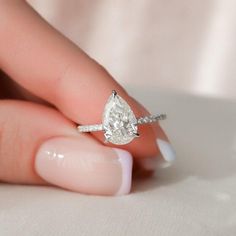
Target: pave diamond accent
column 151, row 118
column 90, row 128
column 119, row 122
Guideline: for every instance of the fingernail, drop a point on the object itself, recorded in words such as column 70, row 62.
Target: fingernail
column 126, row 161
column 150, row 163
column 154, row 163
column 77, row 165
column 166, row 150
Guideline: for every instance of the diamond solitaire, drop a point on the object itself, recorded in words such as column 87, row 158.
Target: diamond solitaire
column 120, row 125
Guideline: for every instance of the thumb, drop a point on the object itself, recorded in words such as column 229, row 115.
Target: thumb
column 39, row 146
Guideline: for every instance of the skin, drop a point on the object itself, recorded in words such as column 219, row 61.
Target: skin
column 44, row 78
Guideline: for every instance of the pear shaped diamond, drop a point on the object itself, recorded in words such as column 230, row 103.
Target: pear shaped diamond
column 119, row 121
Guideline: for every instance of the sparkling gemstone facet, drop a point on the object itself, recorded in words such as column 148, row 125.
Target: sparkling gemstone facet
column 119, row 122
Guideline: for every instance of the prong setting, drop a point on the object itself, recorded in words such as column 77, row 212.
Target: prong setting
column 114, row 93
column 136, row 135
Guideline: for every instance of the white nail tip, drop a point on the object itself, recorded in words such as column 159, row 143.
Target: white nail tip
column 126, row 161
column 166, row 150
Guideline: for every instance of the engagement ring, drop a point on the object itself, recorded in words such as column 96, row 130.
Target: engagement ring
column 120, row 126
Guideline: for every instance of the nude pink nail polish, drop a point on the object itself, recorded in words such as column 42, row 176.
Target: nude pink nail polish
column 79, row 166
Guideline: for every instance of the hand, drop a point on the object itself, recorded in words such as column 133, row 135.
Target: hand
column 54, row 85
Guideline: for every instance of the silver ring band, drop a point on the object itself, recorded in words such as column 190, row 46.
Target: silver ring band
column 140, row 121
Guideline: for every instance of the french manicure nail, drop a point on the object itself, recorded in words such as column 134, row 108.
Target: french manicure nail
column 166, row 150
column 79, row 166
column 126, row 162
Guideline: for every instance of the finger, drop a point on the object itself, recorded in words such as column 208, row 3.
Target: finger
column 39, row 146
column 71, row 80
column 9, row 89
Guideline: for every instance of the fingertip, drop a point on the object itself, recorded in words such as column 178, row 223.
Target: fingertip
column 82, row 165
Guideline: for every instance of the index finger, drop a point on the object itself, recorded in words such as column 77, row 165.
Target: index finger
column 49, row 65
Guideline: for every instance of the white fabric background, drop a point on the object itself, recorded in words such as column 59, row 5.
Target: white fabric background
column 174, row 56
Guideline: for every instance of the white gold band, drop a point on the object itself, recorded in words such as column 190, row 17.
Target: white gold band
column 140, row 121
